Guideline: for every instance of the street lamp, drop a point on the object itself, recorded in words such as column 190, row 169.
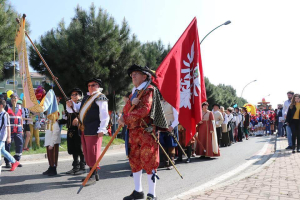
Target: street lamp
column 246, row 86
column 226, row 23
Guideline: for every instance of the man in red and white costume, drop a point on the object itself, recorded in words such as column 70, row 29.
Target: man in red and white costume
column 143, row 147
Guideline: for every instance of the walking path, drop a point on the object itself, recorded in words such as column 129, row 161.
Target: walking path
column 279, row 178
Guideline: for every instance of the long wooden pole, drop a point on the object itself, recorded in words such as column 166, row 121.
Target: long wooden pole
column 174, row 137
column 157, row 141
column 49, row 70
column 104, row 151
column 200, row 143
column 14, row 68
column 46, row 65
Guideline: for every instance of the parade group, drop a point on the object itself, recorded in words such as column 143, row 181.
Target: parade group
column 145, row 114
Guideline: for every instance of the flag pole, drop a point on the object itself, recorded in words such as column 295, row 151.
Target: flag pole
column 48, row 68
column 14, row 67
column 106, row 148
column 41, row 57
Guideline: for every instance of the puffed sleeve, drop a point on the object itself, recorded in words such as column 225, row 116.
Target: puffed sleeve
column 175, row 115
column 104, row 116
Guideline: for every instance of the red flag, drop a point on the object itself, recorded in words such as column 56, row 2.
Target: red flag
column 180, row 79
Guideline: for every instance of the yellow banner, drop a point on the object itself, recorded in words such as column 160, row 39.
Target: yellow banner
column 29, row 95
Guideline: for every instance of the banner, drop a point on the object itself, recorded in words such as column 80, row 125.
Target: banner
column 50, row 105
column 180, row 79
column 29, row 95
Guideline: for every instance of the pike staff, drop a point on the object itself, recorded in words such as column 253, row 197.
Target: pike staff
column 108, row 145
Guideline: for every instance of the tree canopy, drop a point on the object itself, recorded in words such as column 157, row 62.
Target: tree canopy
column 225, row 95
column 8, row 27
column 94, row 45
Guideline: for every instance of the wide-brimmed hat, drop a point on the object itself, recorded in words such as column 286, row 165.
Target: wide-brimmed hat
column 97, row 80
column 145, row 70
column 75, row 90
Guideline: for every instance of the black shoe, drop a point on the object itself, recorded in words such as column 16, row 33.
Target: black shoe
column 131, row 175
column 91, row 181
column 92, row 177
column 179, row 160
column 70, row 171
column 151, row 197
column 8, row 165
column 293, row 151
column 52, row 172
column 47, row 171
column 289, row 147
column 135, row 196
column 82, row 166
column 96, row 175
column 188, row 160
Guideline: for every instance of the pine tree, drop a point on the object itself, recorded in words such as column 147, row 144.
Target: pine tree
column 91, row 46
column 225, row 95
column 154, row 53
column 8, row 27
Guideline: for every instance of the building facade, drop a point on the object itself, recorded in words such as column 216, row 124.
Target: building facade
column 8, row 84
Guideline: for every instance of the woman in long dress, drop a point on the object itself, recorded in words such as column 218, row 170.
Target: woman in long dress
column 207, row 145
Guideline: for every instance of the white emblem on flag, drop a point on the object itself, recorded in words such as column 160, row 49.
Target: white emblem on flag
column 191, row 79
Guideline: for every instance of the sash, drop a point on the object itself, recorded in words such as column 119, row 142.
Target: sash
column 87, row 105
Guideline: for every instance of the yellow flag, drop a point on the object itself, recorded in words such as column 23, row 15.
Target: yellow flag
column 28, row 91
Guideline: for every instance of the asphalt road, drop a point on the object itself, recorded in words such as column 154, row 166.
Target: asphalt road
column 115, row 183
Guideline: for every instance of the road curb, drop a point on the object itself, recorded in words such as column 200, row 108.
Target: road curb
column 240, row 175
column 42, row 156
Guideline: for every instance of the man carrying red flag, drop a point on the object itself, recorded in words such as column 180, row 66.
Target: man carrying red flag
column 146, row 118
column 180, row 79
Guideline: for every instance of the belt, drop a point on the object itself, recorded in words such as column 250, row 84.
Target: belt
column 15, row 125
column 13, row 117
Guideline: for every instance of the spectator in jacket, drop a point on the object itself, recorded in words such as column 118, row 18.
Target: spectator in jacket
column 293, row 121
column 285, row 110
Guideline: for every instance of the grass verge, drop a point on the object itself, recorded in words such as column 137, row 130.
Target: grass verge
column 63, row 145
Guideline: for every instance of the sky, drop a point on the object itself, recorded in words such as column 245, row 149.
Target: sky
column 262, row 42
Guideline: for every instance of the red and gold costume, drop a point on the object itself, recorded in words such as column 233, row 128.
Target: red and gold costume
column 143, row 148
